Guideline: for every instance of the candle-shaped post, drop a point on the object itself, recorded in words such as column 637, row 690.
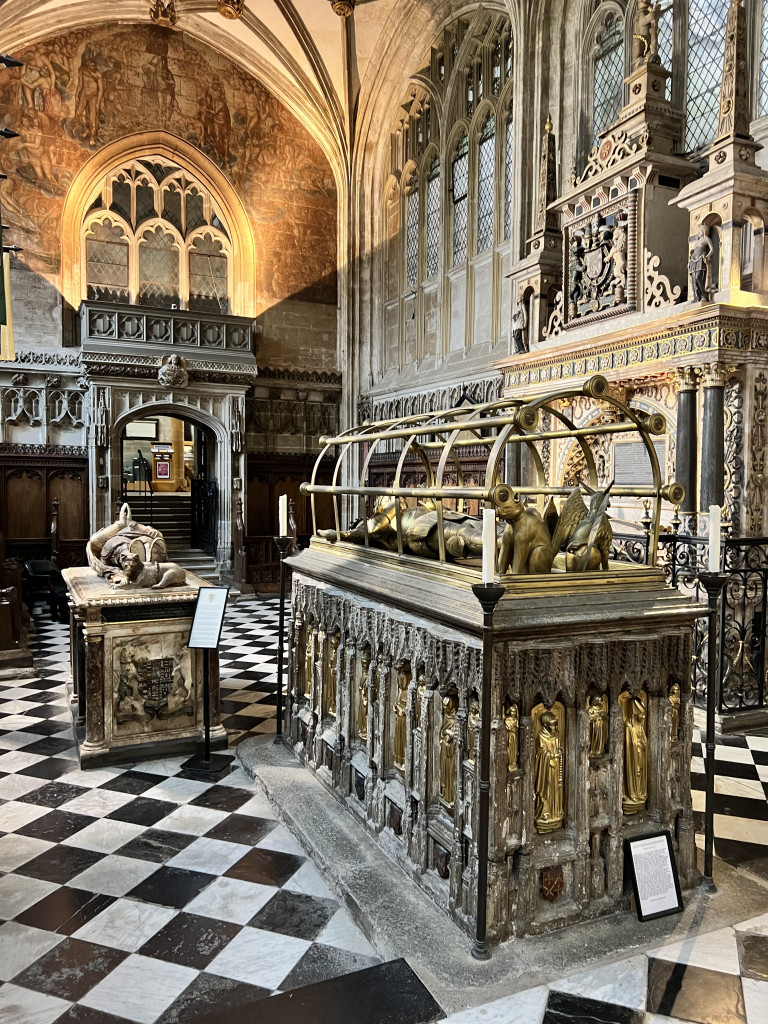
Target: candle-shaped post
column 714, row 538
column 489, row 545
column 283, row 515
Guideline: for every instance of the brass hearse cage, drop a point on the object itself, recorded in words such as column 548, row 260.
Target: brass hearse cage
column 436, row 439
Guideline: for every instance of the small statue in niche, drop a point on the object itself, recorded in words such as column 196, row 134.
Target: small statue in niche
column 309, row 659
column 674, row 711
column 333, row 650
column 473, row 723
column 597, row 709
column 519, row 325
column 399, row 707
column 700, row 266
column 420, row 691
column 448, row 751
column 634, row 712
column 511, row 724
column 618, row 254
column 645, row 33
column 362, row 695
column 549, row 771
column 173, row 373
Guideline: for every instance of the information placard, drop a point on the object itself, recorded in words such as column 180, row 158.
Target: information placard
column 209, row 618
column 654, row 876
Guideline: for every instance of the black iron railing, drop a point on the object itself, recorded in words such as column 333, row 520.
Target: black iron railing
column 205, row 514
column 141, row 489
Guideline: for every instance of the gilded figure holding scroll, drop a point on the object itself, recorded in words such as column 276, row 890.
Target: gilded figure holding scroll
column 448, row 751
column 597, row 709
column 549, row 773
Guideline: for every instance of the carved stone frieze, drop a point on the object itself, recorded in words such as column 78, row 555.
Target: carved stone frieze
column 658, row 289
column 56, row 450
column 445, row 397
column 734, row 451
column 756, row 492
column 600, row 261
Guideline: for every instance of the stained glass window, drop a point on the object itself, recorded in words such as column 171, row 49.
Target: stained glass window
column 509, row 154
column 460, row 174
column 485, row 185
column 433, row 219
column 706, row 39
column 158, row 269
column 762, row 94
column 208, row 276
column 607, row 74
column 106, row 262
column 412, row 239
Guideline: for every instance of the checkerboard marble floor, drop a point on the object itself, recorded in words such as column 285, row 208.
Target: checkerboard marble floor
column 145, row 893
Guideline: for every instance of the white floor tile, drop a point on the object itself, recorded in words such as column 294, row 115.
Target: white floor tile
column 91, row 777
column 257, row 807
column 23, row 1006
column 15, row 760
column 757, row 742
column 342, row 932
column 281, row 841
column 210, row 855
column 178, row 791
column 191, row 820
column 755, row 1000
column 19, row 740
column 623, row 983
column 715, row 951
column 164, row 766
column 756, row 925
column 20, row 946
column 97, row 803
column 105, row 835
column 126, row 924
column 17, row 893
column 230, row 899
column 522, row 1008
column 141, row 988
column 749, row 788
column 259, row 958
column 308, row 880
column 14, row 786
column 17, row 850
column 114, row 875
column 744, row 830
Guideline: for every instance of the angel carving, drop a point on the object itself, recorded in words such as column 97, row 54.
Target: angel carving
column 585, row 533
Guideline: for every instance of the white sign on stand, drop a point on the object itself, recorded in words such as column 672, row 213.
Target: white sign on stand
column 654, row 876
column 209, row 618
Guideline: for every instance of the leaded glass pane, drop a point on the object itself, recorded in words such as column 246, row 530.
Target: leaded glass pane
column 106, row 263
column 433, row 219
column 208, row 276
column 158, row 269
column 460, row 174
column 665, row 41
column 706, row 39
column 762, row 95
column 509, row 152
column 172, row 207
column 485, row 186
column 195, row 211
column 145, row 203
column 470, row 93
column 121, row 198
column 412, row 239
column 607, row 75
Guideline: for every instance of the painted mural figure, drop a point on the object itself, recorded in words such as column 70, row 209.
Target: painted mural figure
column 88, row 99
column 216, row 120
column 36, row 147
column 38, row 85
column 399, row 707
column 549, row 775
column 635, row 754
column 448, row 751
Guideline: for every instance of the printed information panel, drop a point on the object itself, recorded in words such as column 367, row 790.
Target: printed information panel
column 654, row 876
column 209, row 618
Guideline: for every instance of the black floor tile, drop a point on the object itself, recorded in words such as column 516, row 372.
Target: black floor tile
column 242, row 828
column 320, row 963
column 222, row 798
column 143, row 810
column 60, row 863
column 65, row 910
column 47, row 711
column 564, row 1008
column 54, row 794
column 694, row 994
column 752, row 856
column 741, row 807
column 171, row 887
column 133, row 782
column 53, row 768
column 238, row 722
column 48, row 729
column 753, row 952
column 210, row 993
column 50, row 745
column 388, row 993
column 190, row 940
column 294, row 913
column 71, row 969
column 760, row 756
column 56, row 826
column 79, row 1014
column 156, row 845
column 267, row 867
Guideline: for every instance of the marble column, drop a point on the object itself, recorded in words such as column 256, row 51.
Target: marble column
column 713, row 436
column 687, row 442
column 94, row 693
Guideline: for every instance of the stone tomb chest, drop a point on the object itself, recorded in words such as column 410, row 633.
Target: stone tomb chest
column 139, row 687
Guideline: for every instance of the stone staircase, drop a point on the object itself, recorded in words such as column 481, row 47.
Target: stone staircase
column 172, row 515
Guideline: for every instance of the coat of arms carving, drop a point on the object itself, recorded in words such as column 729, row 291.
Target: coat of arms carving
column 597, row 264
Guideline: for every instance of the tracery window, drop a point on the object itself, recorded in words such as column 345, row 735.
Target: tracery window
column 412, row 238
column 762, row 92
column 433, row 219
column 460, row 200
column 607, row 73
column 154, row 236
column 509, row 152
column 485, row 181
column 706, row 39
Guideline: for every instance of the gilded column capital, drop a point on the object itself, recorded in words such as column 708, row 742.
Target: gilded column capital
column 715, row 375
column 685, row 378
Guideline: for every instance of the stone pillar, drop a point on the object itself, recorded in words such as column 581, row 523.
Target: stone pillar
column 94, row 692
column 713, row 436
column 687, row 442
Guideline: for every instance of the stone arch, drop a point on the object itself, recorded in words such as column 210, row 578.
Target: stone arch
column 172, row 148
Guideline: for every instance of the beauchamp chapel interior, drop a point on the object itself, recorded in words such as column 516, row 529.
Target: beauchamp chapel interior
column 424, row 343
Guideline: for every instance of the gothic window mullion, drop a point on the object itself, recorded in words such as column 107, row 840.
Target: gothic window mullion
column 460, row 196
column 762, row 61
column 486, row 174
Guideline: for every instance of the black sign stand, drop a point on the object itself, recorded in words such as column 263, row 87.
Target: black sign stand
column 206, row 625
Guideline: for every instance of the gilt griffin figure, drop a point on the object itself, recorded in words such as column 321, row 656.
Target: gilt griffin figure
column 584, row 533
